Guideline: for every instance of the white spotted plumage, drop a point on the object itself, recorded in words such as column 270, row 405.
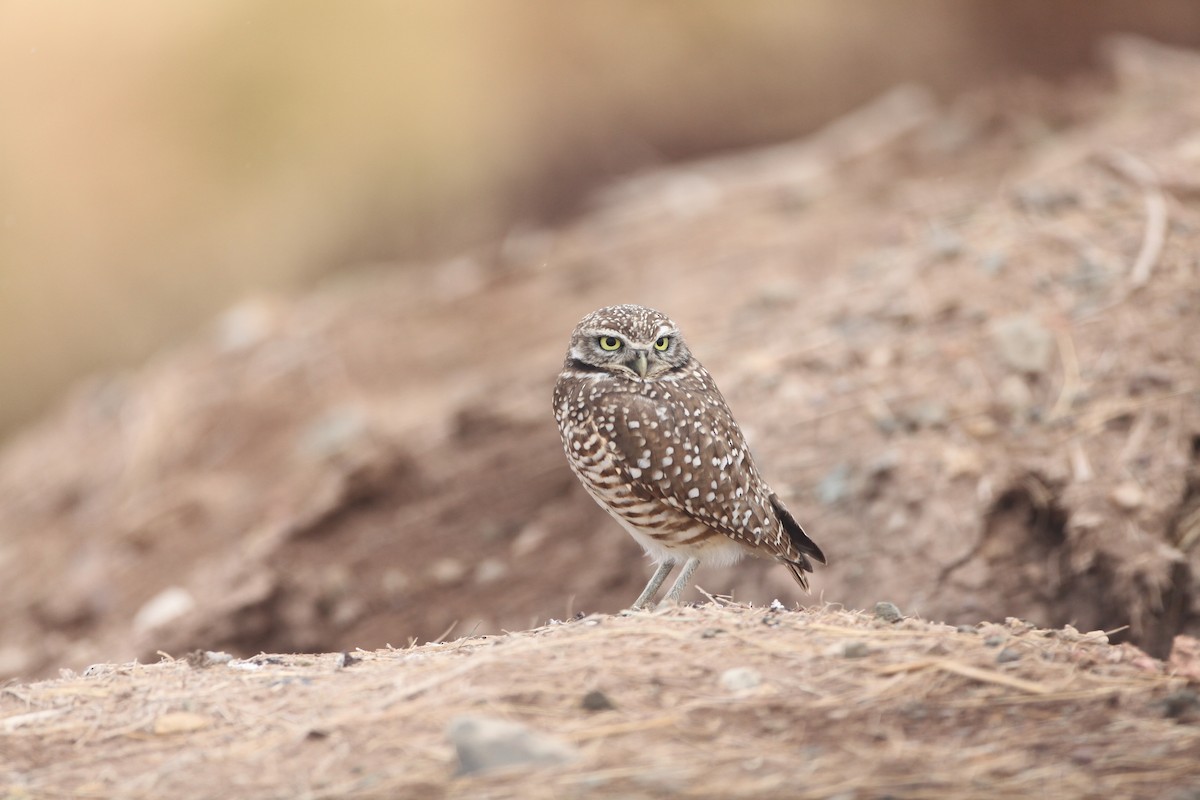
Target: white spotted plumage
column 652, row 440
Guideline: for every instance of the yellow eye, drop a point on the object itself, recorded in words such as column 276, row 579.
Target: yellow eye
column 663, row 343
column 610, row 343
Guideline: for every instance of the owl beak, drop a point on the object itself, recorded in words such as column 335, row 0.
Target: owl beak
column 638, row 364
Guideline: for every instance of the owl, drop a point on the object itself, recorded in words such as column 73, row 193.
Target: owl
column 651, row 439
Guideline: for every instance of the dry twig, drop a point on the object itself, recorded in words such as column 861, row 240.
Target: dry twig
column 1138, row 172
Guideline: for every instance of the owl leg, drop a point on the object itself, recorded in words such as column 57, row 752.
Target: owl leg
column 656, row 580
column 685, row 576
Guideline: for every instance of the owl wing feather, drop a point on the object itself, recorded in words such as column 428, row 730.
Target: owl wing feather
column 693, row 457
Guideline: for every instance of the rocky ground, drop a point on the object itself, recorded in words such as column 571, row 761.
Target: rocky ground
column 961, row 340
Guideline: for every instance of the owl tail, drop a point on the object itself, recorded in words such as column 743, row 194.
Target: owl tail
column 804, row 546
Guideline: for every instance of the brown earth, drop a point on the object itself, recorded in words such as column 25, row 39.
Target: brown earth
column 714, row 701
column 962, row 342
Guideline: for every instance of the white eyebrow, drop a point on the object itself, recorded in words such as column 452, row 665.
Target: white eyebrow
column 609, row 332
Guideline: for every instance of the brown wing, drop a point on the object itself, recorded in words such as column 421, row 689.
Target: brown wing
column 678, row 442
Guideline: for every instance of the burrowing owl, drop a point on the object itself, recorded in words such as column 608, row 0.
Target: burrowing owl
column 650, row 437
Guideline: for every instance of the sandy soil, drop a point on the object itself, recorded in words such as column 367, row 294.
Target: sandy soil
column 713, row 701
column 961, row 340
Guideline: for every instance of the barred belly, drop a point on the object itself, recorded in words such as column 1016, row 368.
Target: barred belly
column 666, row 533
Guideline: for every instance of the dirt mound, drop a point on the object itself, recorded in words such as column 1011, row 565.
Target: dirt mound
column 713, row 701
column 961, row 341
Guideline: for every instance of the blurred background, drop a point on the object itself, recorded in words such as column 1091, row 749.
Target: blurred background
column 158, row 161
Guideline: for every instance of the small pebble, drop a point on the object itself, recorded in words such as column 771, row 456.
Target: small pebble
column 993, row 262
column 995, row 640
column 335, row 432
column 888, row 612
column 1023, row 343
column 740, row 679
column 965, row 629
column 490, row 570
column 164, row 608
column 928, row 414
column 962, row 462
column 1007, row 655
column 944, row 244
column 596, row 700
column 245, row 325
column 1128, row 497
column 1014, row 396
column 447, row 570
column 855, row 650
column 836, row 485
column 200, row 659
column 484, row 743
column 883, row 465
column 1183, row 704
column 980, row 427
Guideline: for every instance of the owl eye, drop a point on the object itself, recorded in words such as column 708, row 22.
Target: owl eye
column 663, row 343
column 610, row 343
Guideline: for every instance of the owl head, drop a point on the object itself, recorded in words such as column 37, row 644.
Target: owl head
column 629, row 340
